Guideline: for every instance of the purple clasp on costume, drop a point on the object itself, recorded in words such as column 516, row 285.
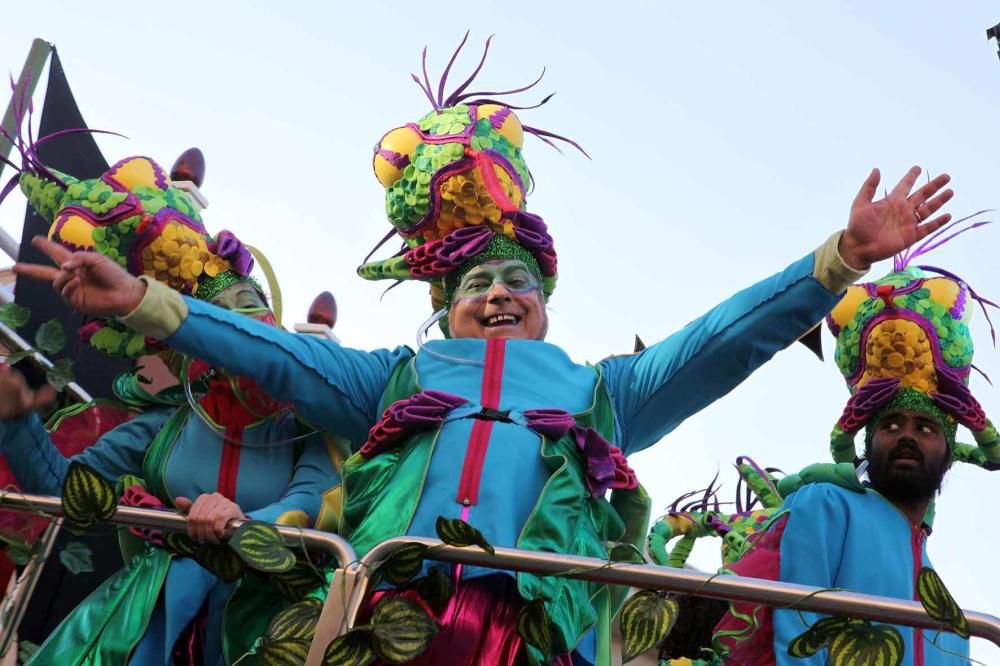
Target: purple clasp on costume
column 606, row 464
column 421, row 411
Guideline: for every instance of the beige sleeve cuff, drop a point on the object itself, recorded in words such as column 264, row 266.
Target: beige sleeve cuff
column 160, row 312
column 830, row 269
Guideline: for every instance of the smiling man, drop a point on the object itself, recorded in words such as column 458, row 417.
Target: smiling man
column 904, row 346
column 493, row 425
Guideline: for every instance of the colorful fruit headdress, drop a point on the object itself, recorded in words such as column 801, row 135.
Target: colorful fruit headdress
column 456, row 186
column 133, row 215
column 903, row 342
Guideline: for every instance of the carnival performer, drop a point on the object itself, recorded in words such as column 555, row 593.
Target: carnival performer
column 904, row 347
column 493, row 425
column 224, row 451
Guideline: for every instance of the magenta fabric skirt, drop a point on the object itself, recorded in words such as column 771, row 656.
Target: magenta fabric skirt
column 478, row 626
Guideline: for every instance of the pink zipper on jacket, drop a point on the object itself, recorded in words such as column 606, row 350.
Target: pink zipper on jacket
column 916, row 546
column 479, row 439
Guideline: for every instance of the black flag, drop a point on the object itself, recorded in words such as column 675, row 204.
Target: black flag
column 79, row 156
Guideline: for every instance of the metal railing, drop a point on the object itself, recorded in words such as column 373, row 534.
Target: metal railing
column 353, row 577
column 45, row 505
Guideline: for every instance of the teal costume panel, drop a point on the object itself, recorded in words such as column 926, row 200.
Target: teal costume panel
column 830, row 540
column 143, row 609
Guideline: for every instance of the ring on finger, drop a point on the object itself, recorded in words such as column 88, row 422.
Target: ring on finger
column 916, row 213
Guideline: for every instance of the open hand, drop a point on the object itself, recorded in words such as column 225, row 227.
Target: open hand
column 89, row 282
column 17, row 398
column 208, row 515
column 877, row 230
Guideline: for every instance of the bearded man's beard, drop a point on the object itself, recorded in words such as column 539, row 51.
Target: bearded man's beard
column 907, row 484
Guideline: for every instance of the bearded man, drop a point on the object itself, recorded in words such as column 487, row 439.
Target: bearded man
column 903, row 344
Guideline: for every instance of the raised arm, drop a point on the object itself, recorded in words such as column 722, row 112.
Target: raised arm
column 656, row 390
column 334, row 387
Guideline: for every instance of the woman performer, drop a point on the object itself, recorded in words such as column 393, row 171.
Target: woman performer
column 232, row 453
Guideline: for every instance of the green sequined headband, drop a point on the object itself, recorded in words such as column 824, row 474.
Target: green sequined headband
column 209, row 288
column 914, row 401
column 500, row 247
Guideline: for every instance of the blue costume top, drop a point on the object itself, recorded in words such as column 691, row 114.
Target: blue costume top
column 839, row 538
column 273, row 483
column 652, row 392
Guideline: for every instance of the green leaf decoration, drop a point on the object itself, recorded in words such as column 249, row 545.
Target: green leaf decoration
column 864, row 644
column 403, row 563
column 819, row 636
column 26, row 650
column 50, row 338
column 18, row 356
column 297, row 581
column 646, row 620
column 534, row 627
column 352, row 649
column 221, row 560
column 297, row 621
column 262, row 547
column 620, row 551
column 20, row 553
column 288, row 652
column 60, row 375
column 939, row 603
column 457, row 532
column 435, row 589
column 14, row 315
column 179, row 543
column 401, row 630
column 77, row 557
column 87, row 497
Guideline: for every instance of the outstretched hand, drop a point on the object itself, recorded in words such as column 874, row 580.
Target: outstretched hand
column 88, row 282
column 877, row 230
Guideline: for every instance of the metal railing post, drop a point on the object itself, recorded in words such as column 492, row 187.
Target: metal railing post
column 15, row 605
column 31, row 74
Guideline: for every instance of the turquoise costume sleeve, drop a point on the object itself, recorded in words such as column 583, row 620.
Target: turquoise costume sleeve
column 655, row 390
column 40, row 468
column 314, row 474
column 333, row 387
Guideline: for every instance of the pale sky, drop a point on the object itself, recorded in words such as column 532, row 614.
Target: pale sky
column 728, row 139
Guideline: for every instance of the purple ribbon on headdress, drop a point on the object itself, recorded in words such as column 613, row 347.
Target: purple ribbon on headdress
column 533, row 234
column 955, row 398
column 606, row 464
column 866, row 401
column 438, row 258
column 231, row 248
column 421, row 411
